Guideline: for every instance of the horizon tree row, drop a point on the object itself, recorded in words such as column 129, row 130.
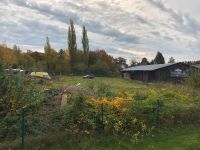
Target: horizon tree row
column 71, row 60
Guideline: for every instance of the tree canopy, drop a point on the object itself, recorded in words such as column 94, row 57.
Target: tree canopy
column 159, row 59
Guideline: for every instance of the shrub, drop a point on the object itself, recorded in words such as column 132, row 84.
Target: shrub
column 77, row 116
column 100, row 89
column 119, row 119
column 194, row 79
column 17, row 93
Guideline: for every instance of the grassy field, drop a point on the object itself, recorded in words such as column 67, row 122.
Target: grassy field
column 187, row 138
column 174, row 139
column 116, row 84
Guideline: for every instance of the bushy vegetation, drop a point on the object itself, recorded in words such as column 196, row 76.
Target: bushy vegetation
column 16, row 93
column 133, row 114
column 116, row 107
column 58, row 63
column 194, row 80
column 177, row 138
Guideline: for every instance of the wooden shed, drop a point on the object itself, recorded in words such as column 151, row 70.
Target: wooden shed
column 172, row 72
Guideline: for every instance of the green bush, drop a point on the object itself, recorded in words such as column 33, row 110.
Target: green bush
column 16, row 92
column 100, row 89
column 194, row 79
column 76, row 117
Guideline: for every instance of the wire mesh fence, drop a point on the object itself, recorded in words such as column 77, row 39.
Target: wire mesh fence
column 81, row 117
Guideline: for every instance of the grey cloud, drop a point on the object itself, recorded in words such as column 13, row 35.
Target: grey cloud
column 176, row 15
column 184, row 22
column 93, row 26
column 168, row 38
column 155, row 33
column 111, row 27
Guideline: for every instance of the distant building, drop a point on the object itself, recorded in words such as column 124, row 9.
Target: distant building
column 173, row 72
column 14, row 71
column 197, row 66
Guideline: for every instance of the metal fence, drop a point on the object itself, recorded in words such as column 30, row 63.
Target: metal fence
column 23, row 125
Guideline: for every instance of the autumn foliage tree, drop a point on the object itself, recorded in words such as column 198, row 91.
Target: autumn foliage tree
column 50, row 57
column 8, row 56
column 71, row 61
column 144, row 61
column 62, row 63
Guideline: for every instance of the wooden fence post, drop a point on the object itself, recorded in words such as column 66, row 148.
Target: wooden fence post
column 158, row 113
column 102, row 114
column 22, row 127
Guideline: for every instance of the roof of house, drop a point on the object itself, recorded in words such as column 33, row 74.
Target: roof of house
column 197, row 66
column 149, row 67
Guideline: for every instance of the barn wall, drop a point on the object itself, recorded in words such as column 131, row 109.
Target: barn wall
column 165, row 74
column 140, row 76
column 127, row 75
column 160, row 75
column 152, row 76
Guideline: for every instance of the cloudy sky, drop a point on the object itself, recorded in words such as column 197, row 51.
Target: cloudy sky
column 129, row 28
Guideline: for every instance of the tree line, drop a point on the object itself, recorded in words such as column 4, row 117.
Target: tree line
column 64, row 61
column 71, row 60
column 159, row 59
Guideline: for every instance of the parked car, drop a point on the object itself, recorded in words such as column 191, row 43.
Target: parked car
column 88, row 76
column 41, row 75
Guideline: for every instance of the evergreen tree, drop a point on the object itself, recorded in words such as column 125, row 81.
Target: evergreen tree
column 72, row 46
column 85, row 43
column 171, row 60
column 152, row 62
column 159, row 59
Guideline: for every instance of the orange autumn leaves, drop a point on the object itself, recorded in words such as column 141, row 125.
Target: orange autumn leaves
column 8, row 55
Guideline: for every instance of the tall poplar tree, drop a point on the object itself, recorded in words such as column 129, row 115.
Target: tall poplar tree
column 47, row 46
column 85, row 44
column 72, row 46
column 47, row 49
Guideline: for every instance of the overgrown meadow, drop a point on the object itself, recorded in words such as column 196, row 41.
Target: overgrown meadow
column 135, row 110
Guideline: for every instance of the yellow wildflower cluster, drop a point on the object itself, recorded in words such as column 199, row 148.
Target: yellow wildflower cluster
column 116, row 102
column 126, row 96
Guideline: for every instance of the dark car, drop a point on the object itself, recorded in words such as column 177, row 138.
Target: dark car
column 88, row 76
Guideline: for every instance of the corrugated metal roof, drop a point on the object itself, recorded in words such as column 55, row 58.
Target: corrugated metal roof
column 148, row 67
column 197, row 66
